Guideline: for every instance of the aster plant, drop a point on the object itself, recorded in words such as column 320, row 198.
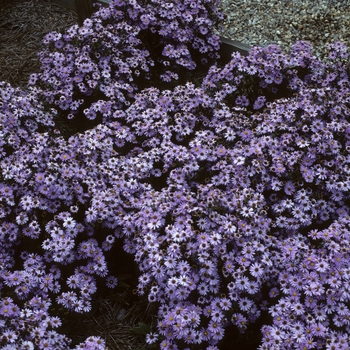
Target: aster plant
column 90, row 71
column 232, row 196
column 31, row 197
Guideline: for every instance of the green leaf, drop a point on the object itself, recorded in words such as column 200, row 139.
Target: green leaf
column 123, row 284
column 125, row 276
column 142, row 328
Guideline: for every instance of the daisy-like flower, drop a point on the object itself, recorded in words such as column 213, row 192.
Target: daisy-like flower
column 111, row 282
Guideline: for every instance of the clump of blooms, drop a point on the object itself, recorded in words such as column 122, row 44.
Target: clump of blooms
column 225, row 198
column 93, row 70
column 38, row 231
column 177, row 34
column 22, row 114
column 232, row 196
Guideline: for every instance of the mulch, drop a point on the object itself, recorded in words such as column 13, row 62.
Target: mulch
column 23, row 24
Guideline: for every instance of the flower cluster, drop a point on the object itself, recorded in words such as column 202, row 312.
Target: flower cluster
column 93, row 70
column 234, row 199
column 179, row 33
column 39, row 241
column 22, row 114
column 232, row 196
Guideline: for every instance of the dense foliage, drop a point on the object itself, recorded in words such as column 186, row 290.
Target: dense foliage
column 232, row 196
